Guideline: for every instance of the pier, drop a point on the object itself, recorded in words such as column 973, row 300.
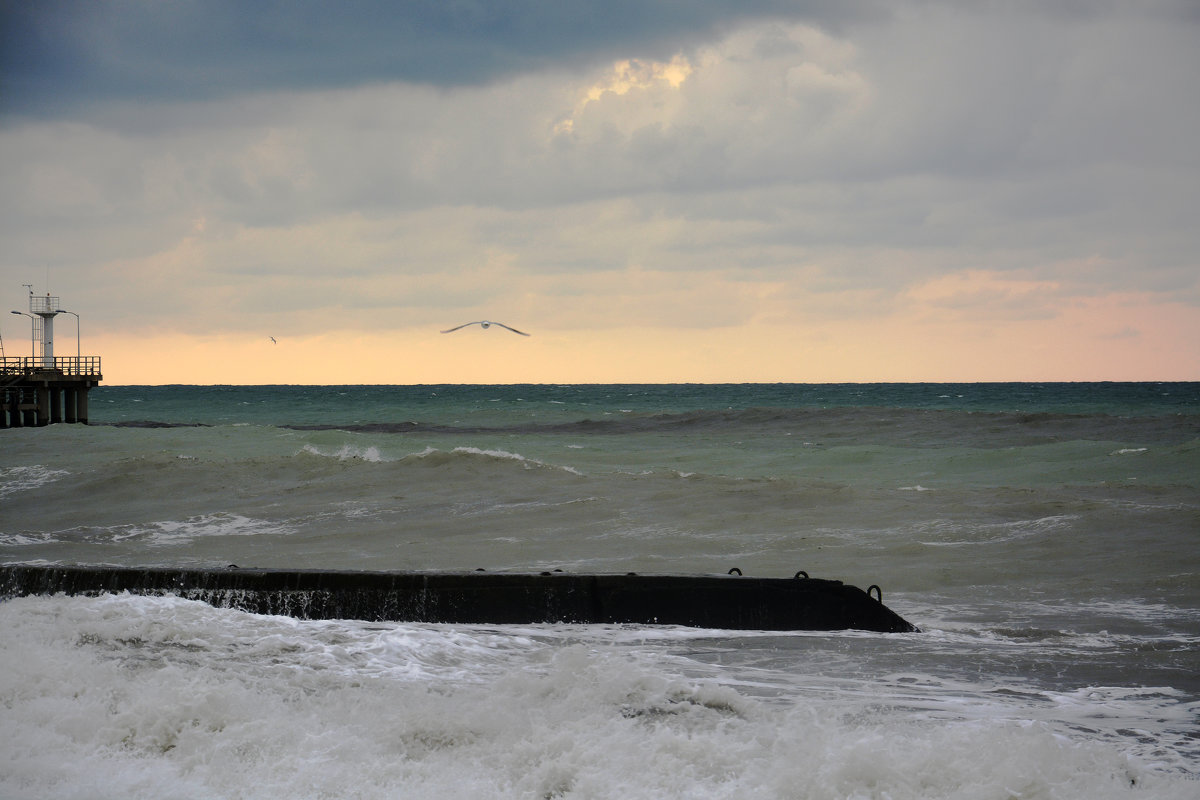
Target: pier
column 33, row 394
column 44, row 389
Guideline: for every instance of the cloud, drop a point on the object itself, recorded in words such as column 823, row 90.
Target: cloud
column 58, row 56
column 629, row 75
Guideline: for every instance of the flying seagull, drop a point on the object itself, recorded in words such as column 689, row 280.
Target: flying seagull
column 273, row 340
column 485, row 325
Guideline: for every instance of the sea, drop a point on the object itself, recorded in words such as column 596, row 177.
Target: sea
column 1044, row 538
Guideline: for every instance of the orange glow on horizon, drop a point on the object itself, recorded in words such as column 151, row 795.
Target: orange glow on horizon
column 1107, row 338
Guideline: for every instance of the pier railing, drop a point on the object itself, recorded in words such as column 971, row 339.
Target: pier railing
column 67, row 366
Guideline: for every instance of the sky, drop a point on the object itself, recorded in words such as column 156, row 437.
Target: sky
column 655, row 190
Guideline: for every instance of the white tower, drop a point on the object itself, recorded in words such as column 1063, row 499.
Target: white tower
column 44, row 310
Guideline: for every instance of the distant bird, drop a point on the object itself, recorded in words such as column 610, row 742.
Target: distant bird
column 272, row 338
column 485, row 325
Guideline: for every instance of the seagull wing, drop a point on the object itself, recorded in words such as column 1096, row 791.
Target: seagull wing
column 514, row 330
column 458, row 327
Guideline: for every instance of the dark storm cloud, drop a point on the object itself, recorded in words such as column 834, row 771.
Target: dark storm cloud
column 60, row 54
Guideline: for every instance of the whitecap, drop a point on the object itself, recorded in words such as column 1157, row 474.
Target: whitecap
column 348, row 452
column 176, row 532
column 23, row 479
column 994, row 533
column 528, row 463
column 502, row 454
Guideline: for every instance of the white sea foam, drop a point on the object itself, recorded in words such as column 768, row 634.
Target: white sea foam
column 162, row 698
column 959, row 534
column 178, row 532
column 347, row 452
column 501, row 454
column 498, row 455
column 27, row 478
column 25, row 539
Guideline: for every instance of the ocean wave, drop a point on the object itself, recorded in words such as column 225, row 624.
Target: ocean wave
column 925, row 427
column 347, row 452
column 814, row 428
column 434, row 457
column 27, row 478
column 172, row 533
column 25, row 538
column 172, row 698
column 962, row 534
column 152, row 424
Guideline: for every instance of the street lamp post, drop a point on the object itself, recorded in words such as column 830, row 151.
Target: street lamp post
column 32, row 334
column 78, row 368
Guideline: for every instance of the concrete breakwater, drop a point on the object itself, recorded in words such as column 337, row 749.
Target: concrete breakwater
column 705, row 601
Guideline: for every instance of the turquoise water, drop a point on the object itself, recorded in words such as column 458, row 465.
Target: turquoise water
column 301, row 405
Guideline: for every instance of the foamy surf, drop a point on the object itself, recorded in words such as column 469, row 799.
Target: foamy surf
column 469, row 454
column 346, row 452
column 218, row 703
column 27, row 478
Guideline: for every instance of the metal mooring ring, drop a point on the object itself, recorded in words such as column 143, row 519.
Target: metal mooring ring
column 877, row 590
column 735, row 571
column 801, row 574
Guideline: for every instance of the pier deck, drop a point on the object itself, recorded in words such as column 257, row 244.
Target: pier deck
column 37, row 391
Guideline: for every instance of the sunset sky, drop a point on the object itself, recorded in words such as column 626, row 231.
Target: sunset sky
column 761, row 190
